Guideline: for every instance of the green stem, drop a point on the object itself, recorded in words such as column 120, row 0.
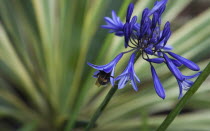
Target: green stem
column 185, row 99
column 101, row 107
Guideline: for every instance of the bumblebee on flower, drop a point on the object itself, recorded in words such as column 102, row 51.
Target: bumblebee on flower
column 146, row 38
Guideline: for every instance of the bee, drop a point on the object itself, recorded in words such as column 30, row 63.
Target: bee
column 103, row 78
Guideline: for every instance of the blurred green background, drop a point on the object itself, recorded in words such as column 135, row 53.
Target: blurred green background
column 45, row 83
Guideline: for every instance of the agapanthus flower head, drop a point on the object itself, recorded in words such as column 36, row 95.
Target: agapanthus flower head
column 146, row 38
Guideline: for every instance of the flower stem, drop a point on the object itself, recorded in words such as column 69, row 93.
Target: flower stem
column 185, row 99
column 101, row 107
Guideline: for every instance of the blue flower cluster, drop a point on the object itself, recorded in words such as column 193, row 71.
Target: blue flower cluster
column 147, row 38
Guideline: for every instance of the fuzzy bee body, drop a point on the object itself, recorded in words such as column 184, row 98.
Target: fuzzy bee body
column 103, row 78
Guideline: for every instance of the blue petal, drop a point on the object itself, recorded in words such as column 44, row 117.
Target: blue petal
column 134, row 74
column 166, row 31
column 131, row 24
column 111, row 31
column 121, row 76
column 161, row 10
column 190, row 83
column 186, row 85
column 120, row 22
column 157, row 6
column 156, row 60
column 134, row 19
column 161, row 45
column 108, row 67
column 112, row 77
column 109, row 21
column 145, row 26
column 166, row 28
column 133, row 83
column 126, row 34
column 168, row 47
column 95, row 74
column 176, row 62
column 128, row 28
column 173, row 68
column 155, row 19
column 97, row 67
column 149, row 32
column 167, row 37
column 191, row 65
column 136, row 77
column 192, row 76
column 129, row 12
column 180, row 89
column 159, row 21
column 136, row 26
column 122, row 82
column 119, row 33
column 109, row 27
column 153, row 39
column 132, row 58
column 157, row 84
column 160, row 54
column 114, row 16
column 114, row 24
column 148, row 50
column 144, row 15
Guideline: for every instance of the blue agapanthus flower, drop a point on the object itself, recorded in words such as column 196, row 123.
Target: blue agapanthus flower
column 106, row 71
column 185, row 84
column 128, row 75
column 115, row 24
column 147, row 38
